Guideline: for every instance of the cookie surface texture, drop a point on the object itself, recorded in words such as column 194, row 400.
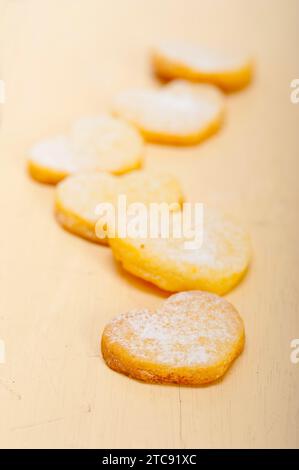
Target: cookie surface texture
column 230, row 71
column 102, row 143
column 216, row 264
column 78, row 196
column 191, row 339
column 178, row 113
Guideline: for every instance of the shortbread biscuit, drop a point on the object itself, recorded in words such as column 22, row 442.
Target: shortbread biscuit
column 78, row 196
column 102, row 143
column 229, row 70
column 191, row 339
column 178, row 113
column 215, row 263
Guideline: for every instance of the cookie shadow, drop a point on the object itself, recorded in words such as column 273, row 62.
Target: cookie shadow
column 137, row 282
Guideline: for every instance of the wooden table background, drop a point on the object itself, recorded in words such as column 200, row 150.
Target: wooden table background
column 64, row 58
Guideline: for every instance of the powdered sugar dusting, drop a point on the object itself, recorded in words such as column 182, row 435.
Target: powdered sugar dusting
column 225, row 248
column 178, row 108
column 189, row 329
column 201, row 58
column 54, row 153
column 102, row 143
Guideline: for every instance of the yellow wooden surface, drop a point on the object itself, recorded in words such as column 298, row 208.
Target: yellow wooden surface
column 64, row 58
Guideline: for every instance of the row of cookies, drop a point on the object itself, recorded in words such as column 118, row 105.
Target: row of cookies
column 177, row 113
column 90, row 165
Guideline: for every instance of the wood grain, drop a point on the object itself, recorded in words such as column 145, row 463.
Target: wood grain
column 64, row 58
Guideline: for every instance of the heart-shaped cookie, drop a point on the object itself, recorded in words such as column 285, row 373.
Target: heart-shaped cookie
column 215, row 264
column 191, row 339
column 178, row 113
column 101, row 143
column 78, row 196
column 229, row 70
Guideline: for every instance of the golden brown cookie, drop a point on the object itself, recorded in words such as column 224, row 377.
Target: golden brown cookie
column 216, row 264
column 191, row 339
column 229, row 70
column 179, row 113
column 102, row 143
column 78, row 196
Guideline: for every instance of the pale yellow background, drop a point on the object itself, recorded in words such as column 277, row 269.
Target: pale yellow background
column 65, row 58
